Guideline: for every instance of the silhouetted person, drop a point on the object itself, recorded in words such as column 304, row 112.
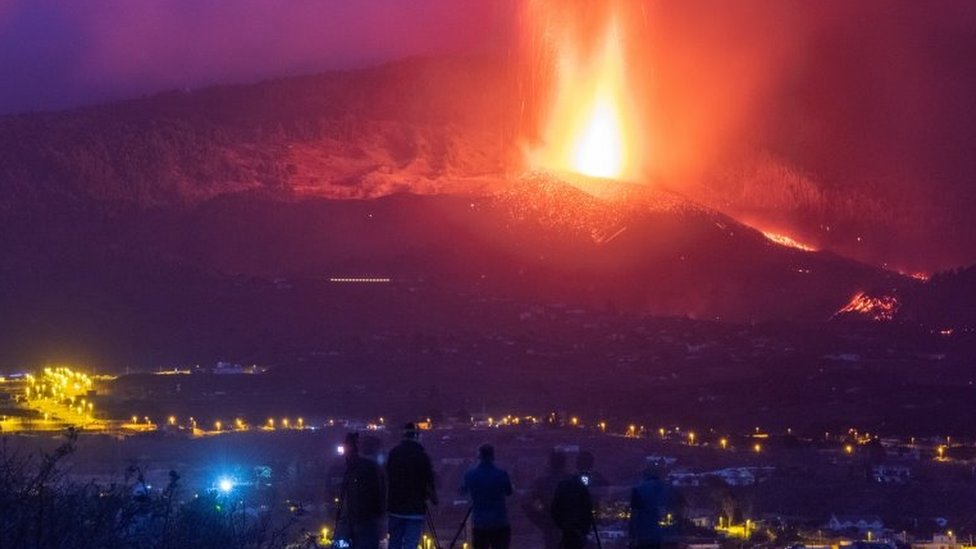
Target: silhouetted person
column 585, row 465
column 363, row 494
column 650, row 501
column 537, row 503
column 572, row 506
column 411, row 485
column 488, row 486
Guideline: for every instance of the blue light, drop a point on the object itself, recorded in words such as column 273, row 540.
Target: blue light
column 225, row 484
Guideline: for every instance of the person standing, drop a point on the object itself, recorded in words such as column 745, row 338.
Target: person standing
column 410, row 478
column 650, row 500
column 363, row 494
column 539, row 498
column 488, row 486
column 572, row 510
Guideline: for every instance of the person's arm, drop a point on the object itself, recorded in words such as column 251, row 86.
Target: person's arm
column 465, row 483
column 429, row 473
column 635, row 505
column 508, row 485
column 588, row 503
column 381, row 478
column 555, row 507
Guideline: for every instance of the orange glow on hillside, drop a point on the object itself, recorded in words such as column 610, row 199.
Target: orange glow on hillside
column 787, row 241
column 881, row 308
column 588, row 127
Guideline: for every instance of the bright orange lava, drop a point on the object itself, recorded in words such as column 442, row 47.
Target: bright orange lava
column 787, row 241
column 881, row 308
column 588, row 128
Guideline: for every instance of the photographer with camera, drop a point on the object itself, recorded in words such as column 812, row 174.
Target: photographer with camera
column 572, row 506
column 410, row 479
column 488, row 486
column 363, row 494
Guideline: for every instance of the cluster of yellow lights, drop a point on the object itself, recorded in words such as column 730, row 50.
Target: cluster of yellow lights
column 57, row 393
column 359, row 280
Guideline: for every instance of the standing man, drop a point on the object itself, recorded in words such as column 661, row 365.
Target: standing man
column 411, row 485
column 363, row 494
column 539, row 499
column 650, row 500
column 572, row 510
column 488, row 486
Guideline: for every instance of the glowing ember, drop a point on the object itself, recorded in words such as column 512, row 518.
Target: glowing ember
column 589, row 129
column 784, row 240
column 881, row 308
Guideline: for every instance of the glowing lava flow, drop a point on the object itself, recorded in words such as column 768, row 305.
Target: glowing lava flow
column 784, row 240
column 883, row 308
column 589, row 128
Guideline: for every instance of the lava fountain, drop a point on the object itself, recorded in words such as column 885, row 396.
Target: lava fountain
column 589, row 124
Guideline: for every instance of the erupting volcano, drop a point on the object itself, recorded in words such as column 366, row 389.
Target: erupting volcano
column 589, row 120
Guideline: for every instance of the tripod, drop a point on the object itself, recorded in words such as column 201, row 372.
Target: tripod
column 596, row 535
column 433, row 531
column 460, row 528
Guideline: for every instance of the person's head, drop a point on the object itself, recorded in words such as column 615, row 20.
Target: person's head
column 557, row 461
column 369, row 446
column 410, row 431
column 585, row 461
column 651, row 472
column 486, row 453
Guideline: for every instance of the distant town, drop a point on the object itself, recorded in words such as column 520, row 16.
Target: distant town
column 758, row 486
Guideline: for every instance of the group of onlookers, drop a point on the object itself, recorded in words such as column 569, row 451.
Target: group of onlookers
column 560, row 504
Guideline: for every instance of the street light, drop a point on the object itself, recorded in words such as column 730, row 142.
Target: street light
column 225, row 484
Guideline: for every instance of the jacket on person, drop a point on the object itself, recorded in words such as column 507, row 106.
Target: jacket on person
column 410, row 479
column 364, row 490
column 488, row 486
column 572, row 507
column 647, row 501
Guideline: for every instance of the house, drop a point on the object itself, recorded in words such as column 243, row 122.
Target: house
column 939, row 541
column 890, row 473
column 861, row 523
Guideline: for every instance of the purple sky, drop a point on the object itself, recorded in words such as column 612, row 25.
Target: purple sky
column 61, row 53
